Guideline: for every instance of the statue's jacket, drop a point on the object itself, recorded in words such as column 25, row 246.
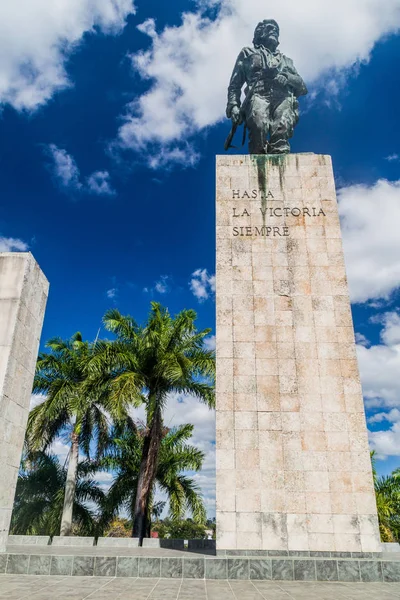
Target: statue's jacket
column 259, row 66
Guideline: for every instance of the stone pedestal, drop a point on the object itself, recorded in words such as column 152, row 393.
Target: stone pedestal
column 23, row 296
column 293, row 464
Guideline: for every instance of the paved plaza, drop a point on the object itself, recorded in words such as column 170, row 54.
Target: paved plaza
column 19, row 587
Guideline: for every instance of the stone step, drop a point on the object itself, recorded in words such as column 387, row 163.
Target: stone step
column 202, row 567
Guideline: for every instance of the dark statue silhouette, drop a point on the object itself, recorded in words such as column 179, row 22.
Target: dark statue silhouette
column 270, row 110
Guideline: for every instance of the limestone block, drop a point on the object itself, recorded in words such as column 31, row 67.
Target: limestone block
column 72, row 540
column 115, row 542
column 28, row 540
column 23, row 296
column 292, row 449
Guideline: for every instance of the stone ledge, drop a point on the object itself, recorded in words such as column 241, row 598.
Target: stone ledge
column 299, row 553
column 29, row 540
column 72, row 540
column 239, row 568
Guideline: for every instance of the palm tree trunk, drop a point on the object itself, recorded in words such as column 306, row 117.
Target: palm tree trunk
column 70, row 485
column 147, row 473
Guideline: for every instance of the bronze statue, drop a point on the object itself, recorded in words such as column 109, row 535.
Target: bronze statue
column 270, row 107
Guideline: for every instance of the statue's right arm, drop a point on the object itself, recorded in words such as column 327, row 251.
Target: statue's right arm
column 236, row 83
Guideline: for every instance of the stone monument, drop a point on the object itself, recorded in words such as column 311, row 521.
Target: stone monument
column 293, row 464
column 23, row 297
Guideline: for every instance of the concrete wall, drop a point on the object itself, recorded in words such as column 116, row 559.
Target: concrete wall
column 293, row 465
column 23, row 297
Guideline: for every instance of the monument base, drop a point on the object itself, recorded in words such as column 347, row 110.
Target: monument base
column 293, row 463
column 191, row 564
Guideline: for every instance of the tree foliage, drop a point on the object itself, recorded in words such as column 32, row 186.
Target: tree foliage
column 39, row 497
column 123, row 457
column 387, row 493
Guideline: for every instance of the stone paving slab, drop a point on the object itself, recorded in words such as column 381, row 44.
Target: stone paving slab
column 26, row 587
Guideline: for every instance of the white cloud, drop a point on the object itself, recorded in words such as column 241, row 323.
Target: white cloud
column 362, row 340
column 209, row 342
column 386, row 443
column 65, row 169
column 392, row 416
column 37, row 37
column 380, row 366
column 370, row 217
column 60, row 449
column 37, row 399
column 12, row 245
column 112, row 293
column 392, row 157
column 67, row 174
column 202, row 284
column 104, row 480
column 188, row 66
column 162, row 286
column 99, row 184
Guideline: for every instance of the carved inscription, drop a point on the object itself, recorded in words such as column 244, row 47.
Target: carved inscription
column 267, row 214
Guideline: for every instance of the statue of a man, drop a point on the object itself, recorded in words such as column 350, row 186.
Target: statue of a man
column 270, row 109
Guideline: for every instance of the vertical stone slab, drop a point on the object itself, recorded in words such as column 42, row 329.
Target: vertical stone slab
column 293, row 465
column 23, row 296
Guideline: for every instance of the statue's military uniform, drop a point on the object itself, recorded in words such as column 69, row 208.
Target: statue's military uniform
column 273, row 107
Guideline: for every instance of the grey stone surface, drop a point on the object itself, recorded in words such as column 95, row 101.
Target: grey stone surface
column 39, row 565
column 3, row 563
column 72, row 540
column 193, row 568
column 216, row 568
column 18, row 564
column 149, row 567
column 293, row 466
column 105, row 566
column 391, row 571
column 327, row 570
column 260, row 568
column 23, row 296
column 171, row 568
column 371, row 571
column 390, row 547
column 83, row 566
column 99, row 588
column 238, row 568
column 151, row 543
column 349, row 570
column 234, row 569
column 304, row 570
column 61, row 565
column 127, row 566
column 115, row 542
column 28, row 540
column 282, row 569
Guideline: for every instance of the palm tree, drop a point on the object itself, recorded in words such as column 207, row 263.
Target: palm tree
column 146, row 364
column 39, row 497
column 69, row 410
column 123, row 458
column 387, row 493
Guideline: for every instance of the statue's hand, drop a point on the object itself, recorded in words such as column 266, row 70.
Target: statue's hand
column 236, row 115
column 282, row 79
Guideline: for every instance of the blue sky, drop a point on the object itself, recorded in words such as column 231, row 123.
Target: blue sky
column 111, row 119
